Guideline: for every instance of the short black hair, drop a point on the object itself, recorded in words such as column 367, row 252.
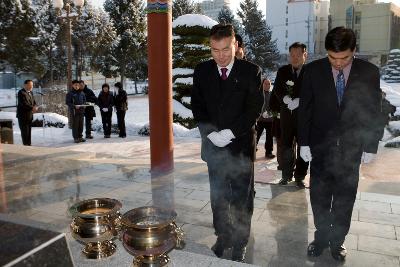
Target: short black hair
column 75, row 81
column 221, row 31
column 27, row 81
column 340, row 39
column 298, row 45
column 105, row 85
column 239, row 39
column 82, row 81
column 118, row 85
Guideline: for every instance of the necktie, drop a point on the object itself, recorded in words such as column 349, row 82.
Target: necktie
column 295, row 73
column 340, row 84
column 223, row 75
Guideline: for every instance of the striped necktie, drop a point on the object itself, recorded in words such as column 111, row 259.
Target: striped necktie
column 340, row 85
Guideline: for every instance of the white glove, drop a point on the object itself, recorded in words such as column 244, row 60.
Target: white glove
column 367, row 157
column 287, row 99
column 104, row 109
column 227, row 134
column 218, row 139
column 294, row 104
column 305, row 153
column 265, row 115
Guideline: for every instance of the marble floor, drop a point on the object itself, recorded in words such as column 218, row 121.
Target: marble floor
column 41, row 184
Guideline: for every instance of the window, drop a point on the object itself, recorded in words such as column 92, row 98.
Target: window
column 287, row 21
column 286, row 34
column 357, row 18
column 287, row 9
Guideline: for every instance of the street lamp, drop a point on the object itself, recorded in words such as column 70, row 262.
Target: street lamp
column 68, row 17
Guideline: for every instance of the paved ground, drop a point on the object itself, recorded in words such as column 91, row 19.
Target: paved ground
column 40, row 184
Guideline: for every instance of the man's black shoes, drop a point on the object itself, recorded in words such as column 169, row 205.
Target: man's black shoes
column 269, row 156
column 218, row 248
column 339, row 253
column 300, row 184
column 239, row 254
column 89, row 136
column 284, row 181
column 315, row 249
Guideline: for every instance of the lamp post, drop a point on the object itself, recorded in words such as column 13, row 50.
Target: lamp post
column 68, row 17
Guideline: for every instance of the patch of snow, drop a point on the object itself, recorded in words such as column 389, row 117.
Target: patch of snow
column 190, row 20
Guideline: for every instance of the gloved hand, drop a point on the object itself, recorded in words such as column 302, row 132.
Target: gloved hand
column 265, row 115
column 287, row 99
column 104, row 109
column 294, row 104
column 367, row 157
column 227, row 134
column 218, row 139
column 305, row 153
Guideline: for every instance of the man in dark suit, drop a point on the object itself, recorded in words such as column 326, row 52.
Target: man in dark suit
column 339, row 128
column 226, row 101
column 287, row 89
column 25, row 109
column 89, row 111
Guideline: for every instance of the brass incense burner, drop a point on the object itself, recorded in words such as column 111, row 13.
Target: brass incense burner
column 96, row 223
column 149, row 233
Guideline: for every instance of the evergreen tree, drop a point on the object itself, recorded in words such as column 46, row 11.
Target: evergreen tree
column 18, row 36
column 392, row 69
column 129, row 21
column 182, row 7
column 190, row 47
column 260, row 48
column 47, row 29
column 225, row 16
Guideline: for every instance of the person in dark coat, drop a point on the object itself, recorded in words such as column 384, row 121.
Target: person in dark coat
column 121, row 106
column 25, row 109
column 74, row 99
column 287, row 88
column 226, row 101
column 264, row 122
column 89, row 110
column 339, row 128
column 105, row 102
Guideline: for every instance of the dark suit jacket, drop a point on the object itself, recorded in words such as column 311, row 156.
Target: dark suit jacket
column 283, row 75
column 236, row 108
column 354, row 125
column 26, row 102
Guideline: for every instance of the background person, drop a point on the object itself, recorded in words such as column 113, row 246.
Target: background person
column 25, row 109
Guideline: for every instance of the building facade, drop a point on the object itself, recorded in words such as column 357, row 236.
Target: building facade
column 376, row 25
column 211, row 8
column 303, row 21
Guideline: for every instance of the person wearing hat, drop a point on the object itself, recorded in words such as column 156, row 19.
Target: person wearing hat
column 121, row 106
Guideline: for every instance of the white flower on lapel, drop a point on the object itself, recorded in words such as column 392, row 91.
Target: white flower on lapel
column 289, row 83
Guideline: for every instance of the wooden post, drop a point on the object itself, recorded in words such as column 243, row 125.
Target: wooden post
column 159, row 21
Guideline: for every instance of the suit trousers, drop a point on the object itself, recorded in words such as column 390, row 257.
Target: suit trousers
column 333, row 190
column 26, row 128
column 291, row 158
column 88, row 125
column 232, row 198
column 77, row 125
column 106, row 121
column 267, row 125
column 121, row 122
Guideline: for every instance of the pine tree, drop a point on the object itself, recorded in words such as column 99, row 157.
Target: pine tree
column 392, row 69
column 129, row 21
column 182, row 7
column 47, row 29
column 190, row 47
column 260, row 48
column 225, row 16
column 18, row 36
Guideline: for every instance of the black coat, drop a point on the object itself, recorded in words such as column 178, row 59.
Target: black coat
column 355, row 125
column 105, row 100
column 121, row 100
column 73, row 98
column 90, row 97
column 236, row 109
column 26, row 102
